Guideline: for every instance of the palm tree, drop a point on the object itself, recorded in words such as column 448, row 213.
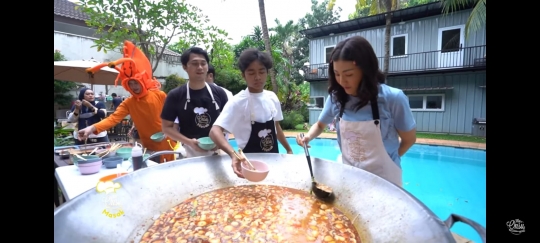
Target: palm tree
column 284, row 34
column 476, row 19
column 267, row 46
column 377, row 7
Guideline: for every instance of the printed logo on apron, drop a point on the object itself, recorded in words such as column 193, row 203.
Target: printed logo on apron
column 353, row 140
column 202, row 118
column 267, row 141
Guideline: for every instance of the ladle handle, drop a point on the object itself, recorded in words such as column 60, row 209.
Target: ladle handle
column 308, row 157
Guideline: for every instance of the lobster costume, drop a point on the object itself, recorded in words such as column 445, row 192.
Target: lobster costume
column 144, row 107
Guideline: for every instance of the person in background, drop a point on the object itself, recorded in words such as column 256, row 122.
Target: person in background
column 115, row 101
column 253, row 114
column 196, row 104
column 210, row 79
column 371, row 116
column 144, row 105
column 86, row 111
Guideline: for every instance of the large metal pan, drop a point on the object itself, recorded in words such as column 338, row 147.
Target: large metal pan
column 383, row 211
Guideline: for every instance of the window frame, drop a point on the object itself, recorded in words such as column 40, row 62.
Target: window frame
column 424, row 102
column 406, row 45
column 316, row 108
column 324, row 51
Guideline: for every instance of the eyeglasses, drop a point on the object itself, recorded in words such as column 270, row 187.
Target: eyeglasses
column 197, row 64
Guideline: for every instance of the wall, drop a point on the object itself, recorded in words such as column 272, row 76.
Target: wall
column 422, row 36
column 77, row 47
column 317, row 89
column 467, row 100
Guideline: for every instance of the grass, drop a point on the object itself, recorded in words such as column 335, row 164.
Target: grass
column 462, row 138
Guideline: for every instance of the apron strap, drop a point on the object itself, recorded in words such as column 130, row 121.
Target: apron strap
column 188, row 98
column 374, row 111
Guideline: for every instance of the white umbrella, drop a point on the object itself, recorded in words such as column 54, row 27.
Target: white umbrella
column 75, row 71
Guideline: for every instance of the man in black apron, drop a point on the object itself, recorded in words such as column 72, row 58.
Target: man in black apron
column 196, row 104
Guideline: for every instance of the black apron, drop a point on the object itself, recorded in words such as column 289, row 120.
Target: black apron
column 201, row 114
column 263, row 137
column 267, row 142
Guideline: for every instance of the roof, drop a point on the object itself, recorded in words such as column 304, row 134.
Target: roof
column 67, row 9
column 416, row 12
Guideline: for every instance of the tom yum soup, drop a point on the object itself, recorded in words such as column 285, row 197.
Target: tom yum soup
column 256, row 214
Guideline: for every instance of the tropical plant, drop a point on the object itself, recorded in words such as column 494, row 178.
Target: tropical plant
column 63, row 136
column 476, row 19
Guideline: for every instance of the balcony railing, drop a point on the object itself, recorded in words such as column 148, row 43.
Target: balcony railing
column 468, row 57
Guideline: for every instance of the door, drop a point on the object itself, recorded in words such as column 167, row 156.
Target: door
column 451, row 47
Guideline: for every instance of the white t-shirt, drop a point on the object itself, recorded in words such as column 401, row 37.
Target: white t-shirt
column 235, row 117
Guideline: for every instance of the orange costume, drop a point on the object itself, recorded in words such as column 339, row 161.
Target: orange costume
column 144, row 107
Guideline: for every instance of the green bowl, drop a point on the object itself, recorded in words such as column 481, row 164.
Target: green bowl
column 158, row 137
column 206, row 143
column 125, row 153
column 87, row 157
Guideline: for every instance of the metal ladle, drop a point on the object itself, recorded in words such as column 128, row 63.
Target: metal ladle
column 321, row 191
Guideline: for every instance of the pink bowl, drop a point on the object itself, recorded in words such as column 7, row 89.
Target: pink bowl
column 90, row 168
column 260, row 174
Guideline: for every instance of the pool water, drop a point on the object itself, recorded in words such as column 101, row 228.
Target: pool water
column 446, row 179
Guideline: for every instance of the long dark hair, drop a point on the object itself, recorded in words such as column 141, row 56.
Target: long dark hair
column 358, row 50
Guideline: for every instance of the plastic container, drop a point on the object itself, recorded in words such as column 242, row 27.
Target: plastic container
column 90, row 168
column 158, row 137
column 137, row 157
column 88, row 159
column 124, row 152
column 111, row 162
column 257, row 175
column 206, row 143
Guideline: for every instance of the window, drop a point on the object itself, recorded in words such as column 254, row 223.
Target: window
column 450, row 40
column 398, row 45
column 431, row 102
column 316, row 102
column 328, row 51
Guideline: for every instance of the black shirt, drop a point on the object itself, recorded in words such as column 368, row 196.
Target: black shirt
column 176, row 100
column 116, row 102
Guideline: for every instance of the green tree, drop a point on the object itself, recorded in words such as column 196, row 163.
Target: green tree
column 172, row 81
column 378, row 7
column 476, row 19
column 62, row 87
column 151, row 24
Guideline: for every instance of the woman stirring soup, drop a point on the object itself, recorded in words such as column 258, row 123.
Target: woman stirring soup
column 86, row 111
column 371, row 116
column 252, row 115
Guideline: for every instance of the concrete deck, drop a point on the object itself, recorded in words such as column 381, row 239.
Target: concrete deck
column 450, row 143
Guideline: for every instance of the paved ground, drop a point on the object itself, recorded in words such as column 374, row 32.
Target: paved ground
column 419, row 141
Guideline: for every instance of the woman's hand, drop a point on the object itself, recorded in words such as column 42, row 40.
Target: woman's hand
column 77, row 104
column 87, row 104
column 300, row 141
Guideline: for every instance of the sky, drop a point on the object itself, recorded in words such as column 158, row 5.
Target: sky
column 238, row 17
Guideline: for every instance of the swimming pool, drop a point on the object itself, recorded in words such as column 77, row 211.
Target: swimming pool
column 446, row 179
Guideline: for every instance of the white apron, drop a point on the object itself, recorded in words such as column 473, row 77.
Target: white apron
column 362, row 147
column 190, row 152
